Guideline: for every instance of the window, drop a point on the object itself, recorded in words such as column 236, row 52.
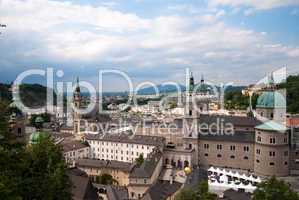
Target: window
column 259, row 139
column 272, row 140
column 246, row 148
column 258, row 151
column 285, row 163
column 232, row 157
column 233, row 147
column 219, row 156
column 206, row 155
column 271, row 163
column 272, row 153
column 286, row 153
column 219, row 146
column 258, row 161
column 285, row 140
column 144, row 181
column 245, row 158
column 206, row 146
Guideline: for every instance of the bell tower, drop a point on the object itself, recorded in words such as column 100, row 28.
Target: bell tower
column 77, row 104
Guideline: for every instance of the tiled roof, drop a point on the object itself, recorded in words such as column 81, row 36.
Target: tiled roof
column 72, row 145
column 112, row 164
column 162, row 190
column 272, row 126
column 131, row 139
column 148, row 167
column 238, row 136
column 235, row 120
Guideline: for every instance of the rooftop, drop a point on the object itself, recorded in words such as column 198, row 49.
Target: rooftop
column 112, row 164
column 271, row 126
column 72, row 145
column 131, row 139
column 238, row 136
column 148, row 167
column 162, row 190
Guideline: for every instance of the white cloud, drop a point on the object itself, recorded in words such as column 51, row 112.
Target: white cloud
column 257, row 4
column 46, row 31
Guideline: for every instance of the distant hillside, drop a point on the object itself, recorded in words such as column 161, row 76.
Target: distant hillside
column 32, row 95
column 161, row 89
column 172, row 88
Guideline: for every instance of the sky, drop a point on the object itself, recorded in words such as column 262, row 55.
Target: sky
column 150, row 40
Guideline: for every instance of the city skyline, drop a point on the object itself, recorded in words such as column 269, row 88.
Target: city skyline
column 150, row 40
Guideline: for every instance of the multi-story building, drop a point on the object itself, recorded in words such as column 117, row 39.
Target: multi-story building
column 120, row 171
column 74, row 150
column 144, row 176
column 124, row 148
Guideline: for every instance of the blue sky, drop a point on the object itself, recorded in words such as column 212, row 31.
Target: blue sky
column 151, row 40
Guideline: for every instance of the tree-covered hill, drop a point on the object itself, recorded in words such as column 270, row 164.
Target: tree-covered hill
column 292, row 87
column 32, row 95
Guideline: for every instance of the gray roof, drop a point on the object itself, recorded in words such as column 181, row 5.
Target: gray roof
column 236, row 195
column 162, row 190
column 125, row 138
column 72, row 145
column 235, row 120
column 82, row 188
column 238, row 136
column 148, row 167
column 111, row 164
column 117, row 192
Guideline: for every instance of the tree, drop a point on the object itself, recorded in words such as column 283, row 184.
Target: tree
column 31, row 172
column 274, row 189
column 45, row 172
column 201, row 192
column 106, row 179
column 139, row 160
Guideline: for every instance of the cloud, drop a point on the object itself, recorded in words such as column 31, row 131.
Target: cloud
column 67, row 35
column 256, row 4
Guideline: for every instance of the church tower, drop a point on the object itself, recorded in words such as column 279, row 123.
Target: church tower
column 77, row 104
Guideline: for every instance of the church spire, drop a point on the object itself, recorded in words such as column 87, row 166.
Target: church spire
column 191, row 82
column 77, row 85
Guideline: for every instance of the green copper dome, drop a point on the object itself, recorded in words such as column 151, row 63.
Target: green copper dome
column 36, row 136
column 271, row 99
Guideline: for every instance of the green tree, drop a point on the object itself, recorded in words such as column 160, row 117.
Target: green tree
column 45, row 172
column 139, row 160
column 31, row 172
column 200, row 192
column 106, row 179
column 274, row 189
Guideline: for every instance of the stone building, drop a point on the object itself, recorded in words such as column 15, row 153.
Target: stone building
column 122, row 147
column 119, row 171
column 74, row 150
column 144, row 176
